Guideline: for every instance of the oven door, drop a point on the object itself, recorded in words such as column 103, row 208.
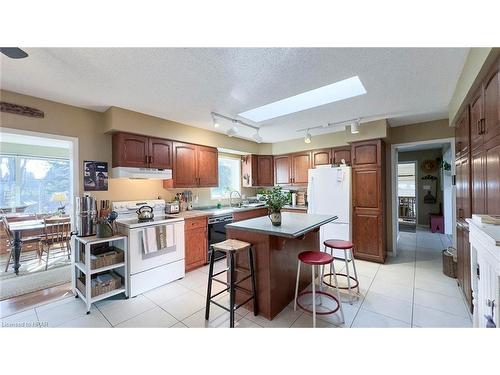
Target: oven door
column 141, row 260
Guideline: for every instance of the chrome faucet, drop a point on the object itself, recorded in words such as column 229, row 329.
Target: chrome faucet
column 231, row 198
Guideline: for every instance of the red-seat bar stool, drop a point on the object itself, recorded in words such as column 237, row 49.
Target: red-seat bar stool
column 348, row 257
column 319, row 259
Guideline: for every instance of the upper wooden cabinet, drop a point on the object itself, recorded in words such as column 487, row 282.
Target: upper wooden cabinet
column 463, row 181
column 476, row 115
column 292, row 169
column 132, row 150
column 462, row 134
column 491, row 103
column 301, row 162
column 194, row 166
column 257, row 170
column 340, row 153
column 321, row 157
column 366, row 153
column 282, row 170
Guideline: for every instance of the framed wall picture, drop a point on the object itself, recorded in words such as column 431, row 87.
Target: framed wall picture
column 95, row 176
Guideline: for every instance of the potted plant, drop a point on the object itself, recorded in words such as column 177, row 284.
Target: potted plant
column 275, row 201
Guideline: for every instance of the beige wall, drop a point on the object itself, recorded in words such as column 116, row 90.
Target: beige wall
column 473, row 67
column 94, row 144
column 369, row 130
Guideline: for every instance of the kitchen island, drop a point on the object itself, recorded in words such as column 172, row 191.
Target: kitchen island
column 275, row 256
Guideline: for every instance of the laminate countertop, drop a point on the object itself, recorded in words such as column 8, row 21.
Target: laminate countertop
column 293, row 225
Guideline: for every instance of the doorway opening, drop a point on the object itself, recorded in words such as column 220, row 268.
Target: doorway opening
column 407, row 199
column 423, row 196
column 38, row 175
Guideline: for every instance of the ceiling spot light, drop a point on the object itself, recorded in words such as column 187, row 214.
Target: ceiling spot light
column 257, row 138
column 214, row 120
column 307, row 138
column 13, row 52
column 355, row 127
column 233, row 131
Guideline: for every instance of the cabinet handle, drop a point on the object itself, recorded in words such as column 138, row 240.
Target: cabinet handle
column 478, row 126
column 147, row 159
column 483, row 126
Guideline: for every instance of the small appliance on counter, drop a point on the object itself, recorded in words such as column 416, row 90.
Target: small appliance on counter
column 172, row 207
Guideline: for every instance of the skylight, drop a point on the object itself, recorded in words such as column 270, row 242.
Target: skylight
column 334, row 92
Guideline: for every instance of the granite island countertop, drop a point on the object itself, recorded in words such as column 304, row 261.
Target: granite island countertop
column 293, row 225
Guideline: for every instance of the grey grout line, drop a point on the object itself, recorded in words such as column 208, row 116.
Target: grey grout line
column 364, row 297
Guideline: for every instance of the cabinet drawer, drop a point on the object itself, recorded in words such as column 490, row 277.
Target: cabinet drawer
column 196, row 222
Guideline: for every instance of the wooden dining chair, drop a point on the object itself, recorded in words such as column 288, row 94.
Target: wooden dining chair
column 57, row 231
column 35, row 240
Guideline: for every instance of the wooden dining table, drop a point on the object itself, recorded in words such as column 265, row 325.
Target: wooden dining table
column 18, row 228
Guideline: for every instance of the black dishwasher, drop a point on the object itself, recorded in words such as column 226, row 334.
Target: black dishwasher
column 217, row 233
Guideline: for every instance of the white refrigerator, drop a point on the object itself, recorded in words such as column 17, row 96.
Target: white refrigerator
column 329, row 193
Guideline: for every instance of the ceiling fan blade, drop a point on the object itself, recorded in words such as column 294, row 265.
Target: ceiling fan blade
column 13, row 52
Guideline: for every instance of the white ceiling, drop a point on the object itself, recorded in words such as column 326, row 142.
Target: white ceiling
column 406, row 85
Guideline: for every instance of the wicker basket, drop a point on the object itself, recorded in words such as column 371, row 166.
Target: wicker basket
column 450, row 267
column 105, row 256
column 100, row 288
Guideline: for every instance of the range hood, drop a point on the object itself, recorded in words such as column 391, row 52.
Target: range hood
column 141, row 173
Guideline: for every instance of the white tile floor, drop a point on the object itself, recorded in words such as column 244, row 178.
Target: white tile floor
column 408, row 291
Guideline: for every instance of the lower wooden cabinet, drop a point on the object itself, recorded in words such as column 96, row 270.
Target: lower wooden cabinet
column 368, row 235
column 250, row 214
column 464, row 262
column 196, row 242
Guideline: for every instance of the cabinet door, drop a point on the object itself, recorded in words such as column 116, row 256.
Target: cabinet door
column 462, row 135
column 321, row 157
column 460, row 256
column 467, row 283
column 301, row 162
column 366, row 153
column 208, row 166
column 265, row 170
column 476, row 114
column 195, row 248
column 491, row 122
column 492, row 181
column 367, row 235
column 340, row 153
column 366, row 188
column 130, row 150
column 478, row 182
column 282, row 170
column 184, row 170
column 463, row 183
column 160, row 153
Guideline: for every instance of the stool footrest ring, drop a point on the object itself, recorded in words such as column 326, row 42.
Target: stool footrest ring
column 340, row 287
column 319, row 312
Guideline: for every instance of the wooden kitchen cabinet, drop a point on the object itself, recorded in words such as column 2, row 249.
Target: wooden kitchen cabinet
column 160, row 153
column 491, row 108
column 476, row 114
column 193, row 166
column 301, row 162
column 130, row 150
column 321, row 157
column 282, row 170
column 462, row 134
column 196, row 242
column 339, row 153
column 368, row 201
column 249, row 214
column 477, row 197
column 257, row 170
column 367, row 153
column 464, row 263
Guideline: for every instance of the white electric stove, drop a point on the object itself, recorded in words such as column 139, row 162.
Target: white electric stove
column 151, row 262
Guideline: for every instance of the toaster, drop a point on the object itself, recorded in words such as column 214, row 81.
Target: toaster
column 172, row 207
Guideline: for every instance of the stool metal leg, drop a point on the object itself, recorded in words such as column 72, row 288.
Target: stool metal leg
column 337, row 290
column 232, row 289
column 252, row 273
column 314, row 296
column 322, row 272
column 348, row 276
column 296, row 287
column 354, row 268
column 209, row 287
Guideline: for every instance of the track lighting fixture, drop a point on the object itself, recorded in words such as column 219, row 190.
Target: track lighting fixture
column 307, row 138
column 231, row 132
column 355, row 127
column 214, row 120
column 257, row 138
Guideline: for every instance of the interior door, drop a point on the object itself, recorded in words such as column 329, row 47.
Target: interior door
column 207, row 166
column 160, row 153
column 282, row 170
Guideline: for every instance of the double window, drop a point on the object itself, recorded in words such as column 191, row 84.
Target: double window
column 28, row 183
